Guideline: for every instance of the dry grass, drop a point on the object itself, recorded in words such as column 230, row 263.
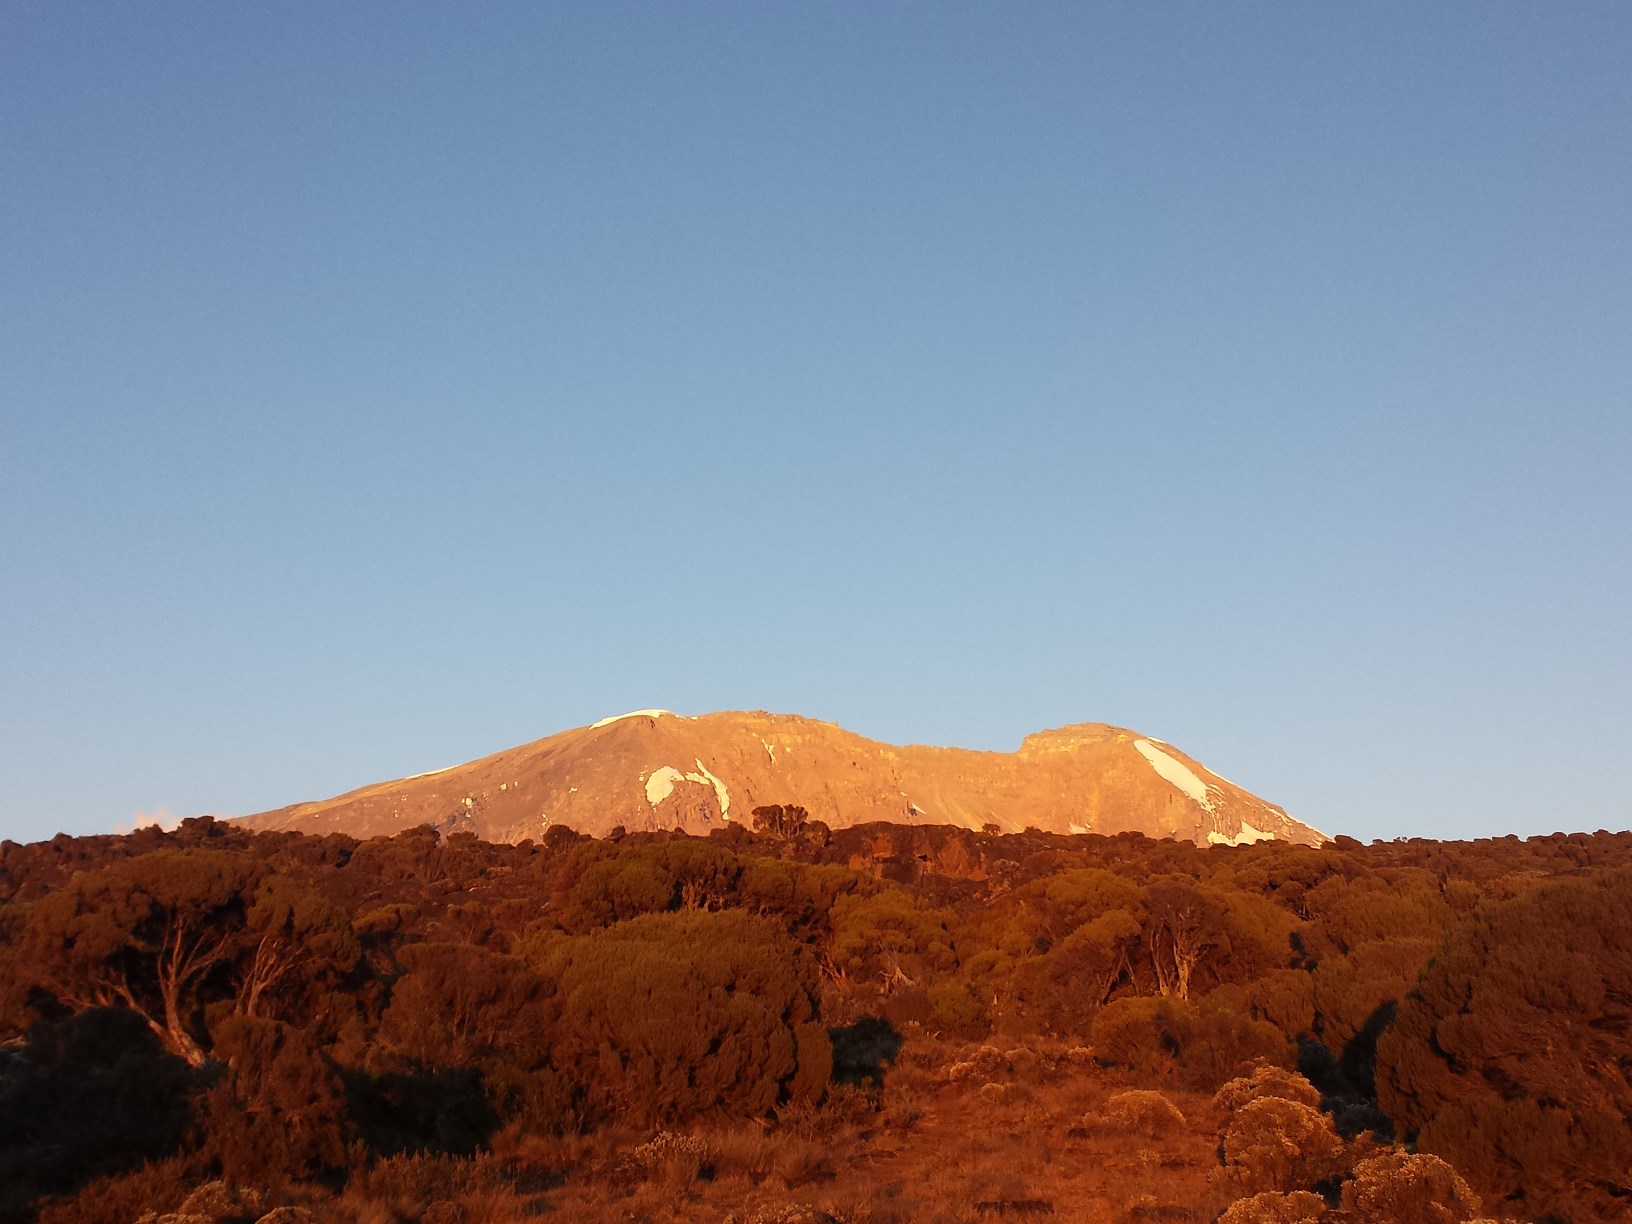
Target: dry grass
column 954, row 1135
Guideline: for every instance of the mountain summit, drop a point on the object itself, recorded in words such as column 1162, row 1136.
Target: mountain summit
column 655, row 770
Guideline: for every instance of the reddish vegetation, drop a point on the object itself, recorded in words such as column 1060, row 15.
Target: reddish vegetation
column 800, row 1024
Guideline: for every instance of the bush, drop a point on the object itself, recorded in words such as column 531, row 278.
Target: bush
column 279, row 1111
column 1203, row 1044
column 158, row 1186
column 1513, row 1057
column 1148, row 1113
column 1267, row 1081
column 1142, row 1034
column 1273, row 1207
column 1272, row 1144
column 1405, row 1188
column 676, row 1160
column 1220, row 1044
column 957, row 1010
column 672, row 1016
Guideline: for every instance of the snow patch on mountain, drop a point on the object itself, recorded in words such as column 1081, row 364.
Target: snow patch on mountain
column 720, row 793
column 1175, row 772
column 429, row 773
column 661, row 784
column 607, row 722
column 664, row 779
column 1246, row 837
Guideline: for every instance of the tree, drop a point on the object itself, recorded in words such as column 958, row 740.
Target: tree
column 145, row 934
column 779, row 820
column 891, row 937
column 1182, row 926
column 291, row 932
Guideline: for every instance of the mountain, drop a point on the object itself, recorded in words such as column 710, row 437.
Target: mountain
column 655, row 770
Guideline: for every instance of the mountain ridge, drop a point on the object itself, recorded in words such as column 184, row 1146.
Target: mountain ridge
column 653, row 769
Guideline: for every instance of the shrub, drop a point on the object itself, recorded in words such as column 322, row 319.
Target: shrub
column 1273, row 1207
column 1140, row 1033
column 1406, row 1188
column 1148, row 1113
column 1208, row 1043
column 89, row 1096
column 1273, row 1144
column 1350, row 989
column 1221, row 1043
column 986, row 1063
column 1513, row 1057
column 673, row 1159
column 279, row 1111
column 459, row 1004
column 1266, row 1081
column 957, row 1010
column 158, row 1186
column 1286, row 999
column 671, row 1016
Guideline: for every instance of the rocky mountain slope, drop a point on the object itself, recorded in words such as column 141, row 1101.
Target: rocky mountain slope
column 655, row 770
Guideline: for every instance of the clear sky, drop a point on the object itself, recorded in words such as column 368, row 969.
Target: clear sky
column 383, row 385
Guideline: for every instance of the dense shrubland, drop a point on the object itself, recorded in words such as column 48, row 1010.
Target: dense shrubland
column 425, row 1029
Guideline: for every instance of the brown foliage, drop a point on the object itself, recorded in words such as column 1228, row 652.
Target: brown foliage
column 279, row 1112
column 1143, row 1112
column 1513, row 1058
column 1406, row 1188
column 1274, row 1207
column 1203, row 1044
column 674, row 1015
column 1267, row 1081
column 547, row 988
column 144, row 934
column 1276, row 1144
column 458, row 1005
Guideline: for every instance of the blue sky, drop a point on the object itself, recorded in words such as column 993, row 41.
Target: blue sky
column 385, row 385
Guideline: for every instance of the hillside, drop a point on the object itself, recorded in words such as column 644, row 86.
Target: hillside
column 873, row 1025
column 653, row 770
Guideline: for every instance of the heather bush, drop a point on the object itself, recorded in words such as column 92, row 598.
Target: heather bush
column 1275, row 1207
column 1266, row 1081
column 956, row 1009
column 1407, row 1188
column 1221, row 1043
column 125, row 1196
column 1202, row 1044
column 983, row 1064
column 675, row 1160
column 1143, row 1112
column 1284, row 998
column 279, row 1110
column 1349, row 990
column 420, row 1179
column 1275, row 1144
column 458, row 1005
column 671, row 1016
column 1513, row 1057
column 1143, row 1034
